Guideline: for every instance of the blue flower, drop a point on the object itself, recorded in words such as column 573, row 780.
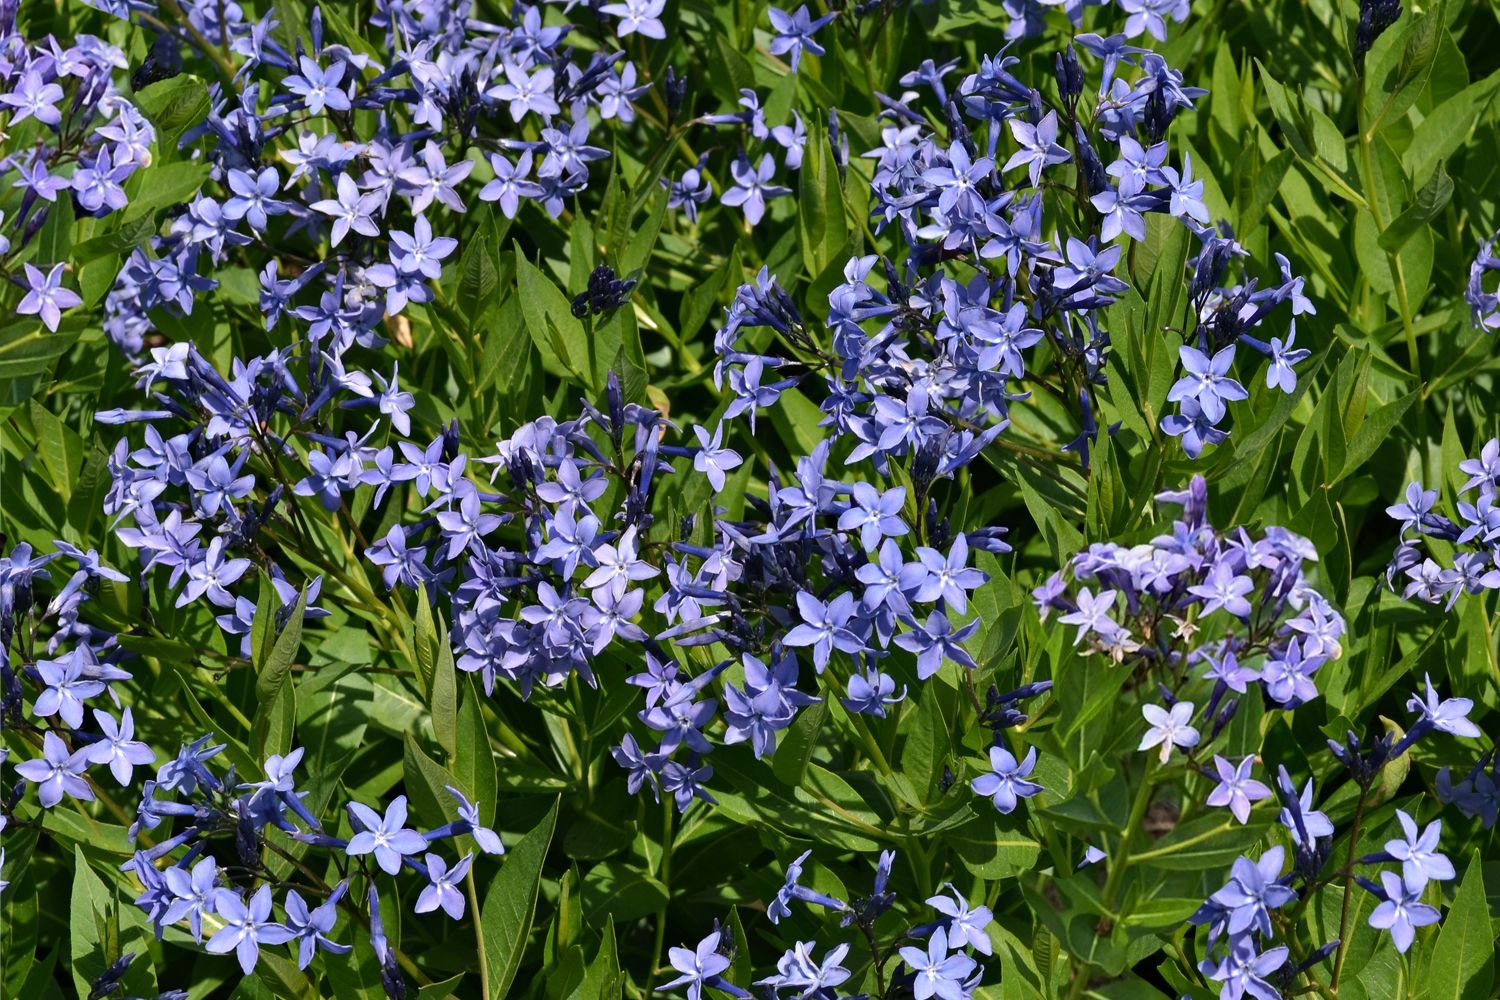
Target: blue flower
column 310, row 928
column 1092, row 614
column 469, row 822
column 1207, row 381
column 524, row 93
column 117, row 746
column 793, row 33
column 442, row 886
column 638, row 17
column 318, row 87
column 1236, row 788
column 33, row 97
column 699, row 967
column 1299, row 817
column 712, row 459
column 246, row 927
column 1243, row 972
column 1039, row 146
column 937, row 972
column 419, row 251
column 936, row 640
column 352, row 209
column 1418, row 854
column 753, row 187
column 387, row 837
column 195, row 894
column 875, row 514
column 57, row 772
column 1447, row 715
column 66, row 688
column 1253, row 891
column 965, row 926
column 1007, row 783
column 780, row 905
column 1402, row 911
column 871, row 692
column 825, row 627
column 1279, row 373
column 45, row 296
column 949, row 578
column 1169, row 728
column 1225, row 589
column 798, row 971
column 254, row 197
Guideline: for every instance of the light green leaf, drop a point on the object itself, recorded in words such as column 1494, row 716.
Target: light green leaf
column 510, row 904
column 1462, row 965
column 1430, row 201
column 273, row 671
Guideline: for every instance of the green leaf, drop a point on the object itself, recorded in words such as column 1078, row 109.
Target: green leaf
column 1286, row 114
column 1374, row 431
column 116, row 242
column 1431, row 200
column 1212, row 841
column 262, row 627
column 795, row 748
column 621, row 891
column 638, row 253
column 94, row 932
column 474, row 761
column 174, row 106
column 424, row 642
column 699, row 300
column 426, row 783
column 55, row 241
column 275, row 720
column 820, row 207
column 443, row 700
column 29, row 348
column 602, row 980
column 1462, row 962
column 989, row 849
column 273, row 672
column 510, row 905
column 1391, row 89
column 478, row 275
column 171, row 184
column 1448, row 127
column 59, row 446
column 556, row 332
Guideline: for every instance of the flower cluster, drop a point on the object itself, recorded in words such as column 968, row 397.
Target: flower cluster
column 1201, row 605
column 360, row 220
column 1239, row 916
column 924, row 357
column 944, row 966
column 72, row 143
column 1474, row 538
column 70, row 671
column 267, row 828
column 1481, row 293
column 1028, row 18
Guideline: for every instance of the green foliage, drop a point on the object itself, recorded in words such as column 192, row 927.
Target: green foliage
column 1378, row 179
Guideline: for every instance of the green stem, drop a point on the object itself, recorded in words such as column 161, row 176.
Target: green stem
column 484, row 965
column 1343, row 952
column 663, row 874
column 1117, row 866
column 1393, row 260
column 1121, row 860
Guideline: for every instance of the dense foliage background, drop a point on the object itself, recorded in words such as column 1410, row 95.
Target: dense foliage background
column 481, row 662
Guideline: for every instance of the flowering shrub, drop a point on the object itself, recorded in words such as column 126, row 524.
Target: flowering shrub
column 596, row 500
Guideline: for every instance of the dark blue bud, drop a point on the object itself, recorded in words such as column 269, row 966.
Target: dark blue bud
column 1375, row 16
